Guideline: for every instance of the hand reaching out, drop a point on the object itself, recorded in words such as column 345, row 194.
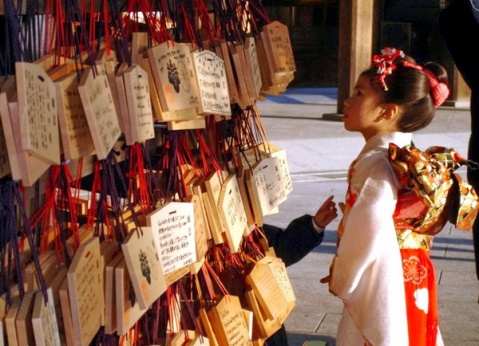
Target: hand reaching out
column 326, row 213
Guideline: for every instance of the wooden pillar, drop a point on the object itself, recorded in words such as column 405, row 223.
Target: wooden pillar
column 356, row 19
column 460, row 92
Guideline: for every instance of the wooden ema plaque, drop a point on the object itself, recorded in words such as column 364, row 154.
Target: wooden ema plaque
column 188, row 338
column 196, row 123
column 283, row 175
column 119, row 95
column 44, row 321
column 232, row 212
column 201, row 226
column 85, row 289
column 280, row 274
column 173, row 229
column 279, row 43
column 223, row 52
column 262, row 326
column 100, row 111
column 139, row 105
column 243, row 80
column 23, row 321
column 267, row 290
column 144, row 267
column 174, row 75
column 251, row 56
column 208, row 329
column 75, row 133
column 127, row 313
column 66, row 315
column 24, row 166
column 110, row 294
column 267, row 185
column 10, row 317
column 213, row 190
column 212, row 83
column 37, row 110
column 228, row 322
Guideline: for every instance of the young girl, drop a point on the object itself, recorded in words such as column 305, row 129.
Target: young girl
column 392, row 99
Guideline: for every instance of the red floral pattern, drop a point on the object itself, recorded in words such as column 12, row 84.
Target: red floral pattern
column 414, row 271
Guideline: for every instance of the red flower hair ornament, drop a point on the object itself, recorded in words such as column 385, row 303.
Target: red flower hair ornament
column 387, row 62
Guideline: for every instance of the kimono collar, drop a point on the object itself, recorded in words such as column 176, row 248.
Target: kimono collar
column 382, row 140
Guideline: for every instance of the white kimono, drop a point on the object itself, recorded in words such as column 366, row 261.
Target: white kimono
column 367, row 272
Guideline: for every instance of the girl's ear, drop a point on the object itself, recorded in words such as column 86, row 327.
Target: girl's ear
column 390, row 111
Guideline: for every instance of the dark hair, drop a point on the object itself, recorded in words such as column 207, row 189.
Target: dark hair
column 409, row 88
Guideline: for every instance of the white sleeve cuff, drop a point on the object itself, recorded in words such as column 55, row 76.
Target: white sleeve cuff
column 316, row 227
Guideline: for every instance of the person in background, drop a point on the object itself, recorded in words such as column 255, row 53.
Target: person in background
column 457, row 22
column 293, row 243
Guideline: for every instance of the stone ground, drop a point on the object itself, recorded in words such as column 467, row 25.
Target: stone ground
column 319, row 153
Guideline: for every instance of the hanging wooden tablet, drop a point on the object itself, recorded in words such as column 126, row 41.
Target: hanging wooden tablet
column 223, row 52
column 139, row 56
column 24, row 166
column 174, row 75
column 247, row 72
column 100, row 111
column 238, row 64
column 122, row 110
column 267, row 291
column 263, row 185
column 242, row 184
column 85, row 289
column 55, row 286
column 252, row 59
column 262, row 326
column 278, row 41
column 228, row 322
column 37, row 111
column 10, row 318
column 213, row 189
column 110, row 294
column 127, row 313
column 67, row 323
column 139, row 46
column 212, row 83
column 232, row 212
column 278, row 268
column 44, row 321
column 278, row 75
column 205, row 323
column 173, row 229
column 188, row 338
column 139, row 104
column 23, row 321
column 248, row 316
column 265, row 68
column 213, row 218
column 196, row 123
column 144, row 266
column 201, row 226
column 283, row 174
column 75, row 133
column 29, row 270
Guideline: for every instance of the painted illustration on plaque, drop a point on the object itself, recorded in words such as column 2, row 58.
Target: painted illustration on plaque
column 145, row 266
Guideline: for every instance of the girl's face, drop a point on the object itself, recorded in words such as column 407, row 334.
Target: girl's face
column 363, row 111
